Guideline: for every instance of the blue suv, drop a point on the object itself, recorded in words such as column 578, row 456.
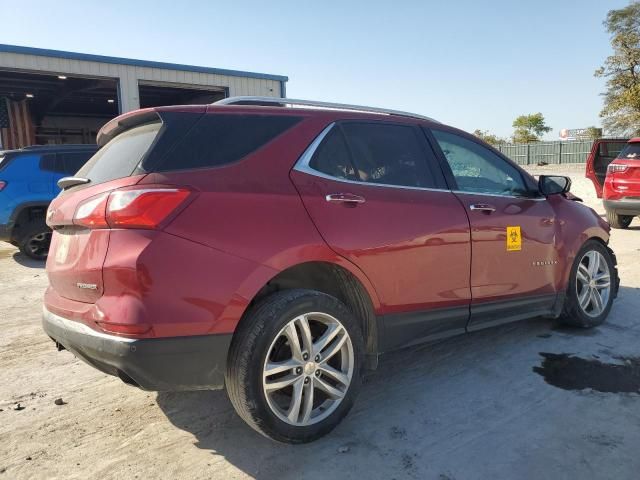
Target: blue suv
column 28, row 183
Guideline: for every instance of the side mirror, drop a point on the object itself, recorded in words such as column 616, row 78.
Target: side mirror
column 553, row 184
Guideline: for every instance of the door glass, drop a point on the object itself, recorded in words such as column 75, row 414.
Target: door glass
column 477, row 169
column 388, row 154
column 332, row 157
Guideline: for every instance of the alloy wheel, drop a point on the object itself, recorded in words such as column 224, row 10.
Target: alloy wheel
column 308, row 369
column 593, row 283
column 38, row 244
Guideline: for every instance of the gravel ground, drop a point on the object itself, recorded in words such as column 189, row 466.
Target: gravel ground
column 468, row 407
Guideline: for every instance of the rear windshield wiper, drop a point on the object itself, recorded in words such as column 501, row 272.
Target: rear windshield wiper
column 68, row 182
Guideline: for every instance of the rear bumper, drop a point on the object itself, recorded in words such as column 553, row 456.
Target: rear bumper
column 159, row 364
column 623, row 206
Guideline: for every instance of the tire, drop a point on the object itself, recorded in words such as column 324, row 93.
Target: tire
column 34, row 240
column 262, row 336
column 574, row 312
column 618, row 221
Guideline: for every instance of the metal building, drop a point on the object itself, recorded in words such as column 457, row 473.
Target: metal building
column 52, row 96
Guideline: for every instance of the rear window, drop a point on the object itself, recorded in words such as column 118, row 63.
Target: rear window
column 630, row 152
column 65, row 163
column 120, row 157
column 217, row 140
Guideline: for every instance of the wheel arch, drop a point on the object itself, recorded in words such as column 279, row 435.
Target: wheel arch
column 350, row 286
column 25, row 212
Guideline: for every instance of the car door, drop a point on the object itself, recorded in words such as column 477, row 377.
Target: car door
column 372, row 192
column 513, row 232
column 602, row 154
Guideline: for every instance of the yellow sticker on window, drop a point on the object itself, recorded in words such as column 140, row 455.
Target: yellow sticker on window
column 514, row 239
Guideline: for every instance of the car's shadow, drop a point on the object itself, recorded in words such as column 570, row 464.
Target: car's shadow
column 27, row 261
column 408, row 410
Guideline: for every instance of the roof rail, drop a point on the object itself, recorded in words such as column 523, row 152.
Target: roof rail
column 290, row 102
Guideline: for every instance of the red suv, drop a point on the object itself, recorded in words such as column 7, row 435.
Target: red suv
column 621, row 192
column 277, row 247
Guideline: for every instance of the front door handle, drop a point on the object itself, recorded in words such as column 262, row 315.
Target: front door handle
column 483, row 207
column 348, row 198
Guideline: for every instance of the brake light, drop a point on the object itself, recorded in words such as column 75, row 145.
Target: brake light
column 2, row 184
column 143, row 208
column 130, row 208
column 617, row 168
column 91, row 212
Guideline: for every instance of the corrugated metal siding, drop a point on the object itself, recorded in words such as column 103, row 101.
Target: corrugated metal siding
column 130, row 75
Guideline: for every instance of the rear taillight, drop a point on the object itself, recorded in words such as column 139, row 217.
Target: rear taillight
column 130, row 208
column 2, row 184
column 617, row 168
column 91, row 213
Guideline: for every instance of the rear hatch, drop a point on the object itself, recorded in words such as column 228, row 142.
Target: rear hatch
column 623, row 174
column 79, row 216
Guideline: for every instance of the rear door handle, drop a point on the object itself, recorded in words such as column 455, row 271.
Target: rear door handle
column 349, row 198
column 483, row 207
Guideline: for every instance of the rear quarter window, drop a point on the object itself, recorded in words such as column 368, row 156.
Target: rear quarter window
column 220, row 139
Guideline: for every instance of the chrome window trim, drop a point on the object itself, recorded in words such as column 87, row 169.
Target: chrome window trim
column 520, row 197
column 302, row 165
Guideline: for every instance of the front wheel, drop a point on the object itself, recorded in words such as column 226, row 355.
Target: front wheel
column 618, row 221
column 592, row 286
column 293, row 370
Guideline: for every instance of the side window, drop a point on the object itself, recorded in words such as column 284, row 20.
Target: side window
column 332, row 157
column 70, row 163
column 388, row 154
column 48, row 162
column 222, row 139
column 477, row 169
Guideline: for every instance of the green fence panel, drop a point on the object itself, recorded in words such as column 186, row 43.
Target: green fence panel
column 548, row 152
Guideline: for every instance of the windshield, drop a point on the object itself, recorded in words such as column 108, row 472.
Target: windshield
column 630, row 152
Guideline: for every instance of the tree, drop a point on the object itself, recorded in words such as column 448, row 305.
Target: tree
column 529, row 128
column 621, row 111
column 593, row 133
column 490, row 138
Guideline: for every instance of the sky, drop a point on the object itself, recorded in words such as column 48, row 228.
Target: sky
column 470, row 64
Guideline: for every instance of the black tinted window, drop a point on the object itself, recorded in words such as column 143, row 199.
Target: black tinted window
column 48, row 163
column 388, row 154
column 221, row 139
column 71, row 162
column 121, row 155
column 478, row 169
column 332, row 157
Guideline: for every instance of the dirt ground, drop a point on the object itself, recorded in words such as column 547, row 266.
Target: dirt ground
column 470, row 407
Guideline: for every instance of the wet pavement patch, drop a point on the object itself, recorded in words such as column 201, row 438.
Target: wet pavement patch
column 574, row 373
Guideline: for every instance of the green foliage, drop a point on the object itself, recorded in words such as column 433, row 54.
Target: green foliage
column 529, row 128
column 593, row 133
column 490, row 138
column 621, row 112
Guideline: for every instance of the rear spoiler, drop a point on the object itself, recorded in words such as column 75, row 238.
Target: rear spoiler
column 140, row 117
column 125, row 122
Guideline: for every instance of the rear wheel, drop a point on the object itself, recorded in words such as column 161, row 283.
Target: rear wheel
column 34, row 240
column 618, row 221
column 592, row 286
column 294, row 365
